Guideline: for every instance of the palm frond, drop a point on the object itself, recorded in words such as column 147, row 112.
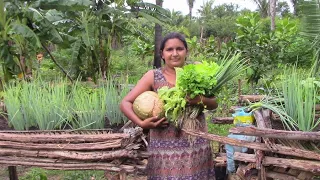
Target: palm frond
column 311, row 19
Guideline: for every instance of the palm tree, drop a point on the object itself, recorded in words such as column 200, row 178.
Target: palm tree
column 205, row 13
column 190, row 4
column 263, row 7
column 157, row 40
column 295, row 7
column 311, row 28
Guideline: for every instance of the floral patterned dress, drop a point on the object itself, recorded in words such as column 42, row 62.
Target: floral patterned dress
column 172, row 156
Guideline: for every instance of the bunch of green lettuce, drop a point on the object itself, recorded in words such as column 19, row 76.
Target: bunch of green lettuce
column 197, row 79
column 174, row 101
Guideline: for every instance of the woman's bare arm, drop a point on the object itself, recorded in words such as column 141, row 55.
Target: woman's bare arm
column 126, row 105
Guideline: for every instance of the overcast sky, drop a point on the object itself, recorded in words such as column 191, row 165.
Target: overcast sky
column 181, row 5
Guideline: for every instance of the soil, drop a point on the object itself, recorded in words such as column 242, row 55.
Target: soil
column 4, row 124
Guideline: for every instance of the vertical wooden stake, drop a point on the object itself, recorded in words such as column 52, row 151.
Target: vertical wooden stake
column 239, row 89
column 263, row 175
column 122, row 175
column 13, row 175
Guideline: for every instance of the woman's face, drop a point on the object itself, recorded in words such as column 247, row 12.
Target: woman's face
column 174, row 53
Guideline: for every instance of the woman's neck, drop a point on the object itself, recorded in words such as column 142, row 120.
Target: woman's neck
column 169, row 71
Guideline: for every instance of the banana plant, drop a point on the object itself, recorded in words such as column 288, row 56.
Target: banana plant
column 6, row 57
column 25, row 31
column 17, row 43
column 89, row 28
column 97, row 30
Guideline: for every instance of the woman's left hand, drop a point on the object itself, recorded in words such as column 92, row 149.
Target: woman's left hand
column 194, row 101
column 209, row 103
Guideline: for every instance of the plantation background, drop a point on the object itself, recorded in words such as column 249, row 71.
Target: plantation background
column 67, row 64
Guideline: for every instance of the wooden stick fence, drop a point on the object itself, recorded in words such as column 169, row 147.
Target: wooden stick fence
column 125, row 152
column 274, row 147
column 74, row 150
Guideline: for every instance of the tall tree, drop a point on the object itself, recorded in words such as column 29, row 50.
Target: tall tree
column 295, row 7
column 157, row 40
column 205, row 14
column 283, row 9
column 190, row 4
column 263, row 7
column 272, row 9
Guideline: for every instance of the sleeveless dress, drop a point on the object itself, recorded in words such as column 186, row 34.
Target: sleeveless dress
column 172, row 156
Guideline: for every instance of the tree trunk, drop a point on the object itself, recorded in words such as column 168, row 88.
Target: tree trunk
column 201, row 34
column 273, row 4
column 102, row 58
column 56, row 63
column 190, row 4
column 190, row 13
column 157, row 41
column 295, row 7
column 22, row 61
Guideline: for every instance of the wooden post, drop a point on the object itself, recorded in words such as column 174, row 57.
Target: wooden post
column 13, row 175
column 239, row 90
column 263, row 175
column 122, row 175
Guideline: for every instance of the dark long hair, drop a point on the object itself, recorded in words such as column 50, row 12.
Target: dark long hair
column 173, row 35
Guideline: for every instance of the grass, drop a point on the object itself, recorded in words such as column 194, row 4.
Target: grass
column 218, row 129
column 43, row 174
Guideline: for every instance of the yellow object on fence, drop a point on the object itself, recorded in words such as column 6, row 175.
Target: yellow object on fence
column 241, row 117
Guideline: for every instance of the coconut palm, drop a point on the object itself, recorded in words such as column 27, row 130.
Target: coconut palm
column 263, row 7
column 295, row 6
column 157, row 40
column 190, row 4
column 311, row 27
column 206, row 13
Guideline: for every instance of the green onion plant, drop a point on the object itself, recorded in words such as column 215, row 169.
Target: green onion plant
column 295, row 102
column 89, row 107
column 13, row 106
column 114, row 96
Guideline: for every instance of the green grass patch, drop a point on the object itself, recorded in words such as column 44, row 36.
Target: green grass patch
column 43, row 174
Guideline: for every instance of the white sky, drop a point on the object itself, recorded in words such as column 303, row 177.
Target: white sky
column 181, row 5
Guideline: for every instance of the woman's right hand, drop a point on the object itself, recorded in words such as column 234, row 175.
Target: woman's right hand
column 154, row 122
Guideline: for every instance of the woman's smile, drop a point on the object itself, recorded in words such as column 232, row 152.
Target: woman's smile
column 174, row 53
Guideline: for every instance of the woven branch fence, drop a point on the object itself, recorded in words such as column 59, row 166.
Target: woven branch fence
column 278, row 154
column 75, row 150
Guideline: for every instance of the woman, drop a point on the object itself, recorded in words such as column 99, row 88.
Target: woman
column 171, row 154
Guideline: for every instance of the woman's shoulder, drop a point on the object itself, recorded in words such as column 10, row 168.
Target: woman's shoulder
column 149, row 75
column 152, row 72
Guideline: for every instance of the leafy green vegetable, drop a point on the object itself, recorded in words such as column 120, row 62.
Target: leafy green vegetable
column 174, row 101
column 198, row 79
